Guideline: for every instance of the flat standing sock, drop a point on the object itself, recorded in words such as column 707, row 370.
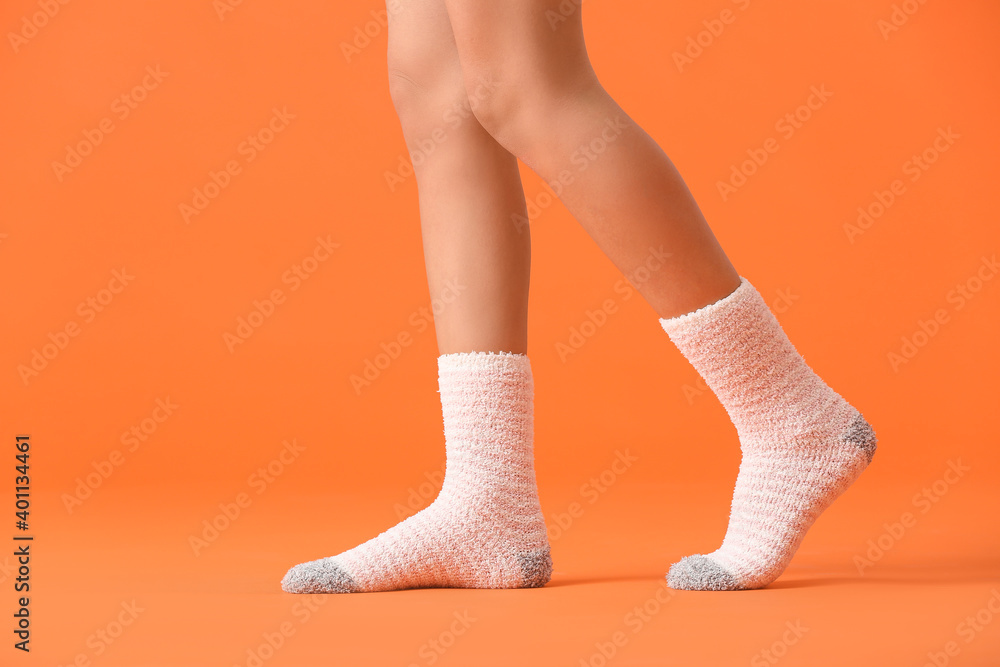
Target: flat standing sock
column 803, row 445
column 485, row 529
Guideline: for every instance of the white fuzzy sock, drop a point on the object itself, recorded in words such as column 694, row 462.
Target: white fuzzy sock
column 802, row 443
column 485, row 529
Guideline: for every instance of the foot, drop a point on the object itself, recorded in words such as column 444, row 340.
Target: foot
column 485, row 529
column 803, row 445
column 447, row 544
column 780, row 491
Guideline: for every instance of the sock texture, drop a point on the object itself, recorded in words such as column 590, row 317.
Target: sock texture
column 803, row 445
column 485, row 529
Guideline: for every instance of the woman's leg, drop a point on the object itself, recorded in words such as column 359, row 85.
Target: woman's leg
column 485, row 529
column 468, row 187
column 802, row 443
column 547, row 107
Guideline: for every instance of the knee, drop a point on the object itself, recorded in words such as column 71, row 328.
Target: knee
column 426, row 89
column 497, row 102
column 519, row 106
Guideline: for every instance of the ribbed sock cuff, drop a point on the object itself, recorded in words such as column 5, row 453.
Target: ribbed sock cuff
column 696, row 320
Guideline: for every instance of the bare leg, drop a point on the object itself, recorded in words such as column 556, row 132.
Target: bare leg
column 546, row 105
column 468, row 188
column 485, row 529
column 802, row 443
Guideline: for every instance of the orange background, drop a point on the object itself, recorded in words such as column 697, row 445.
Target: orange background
column 162, row 337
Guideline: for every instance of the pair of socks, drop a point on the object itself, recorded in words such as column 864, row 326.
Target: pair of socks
column 802, row 445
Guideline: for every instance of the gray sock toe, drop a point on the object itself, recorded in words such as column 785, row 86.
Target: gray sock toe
column 536, row 568
column 700, row 573
column 319, row 576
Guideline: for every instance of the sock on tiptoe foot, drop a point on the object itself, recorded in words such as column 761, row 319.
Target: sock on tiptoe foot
column 485, row 529
column 803, row 445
